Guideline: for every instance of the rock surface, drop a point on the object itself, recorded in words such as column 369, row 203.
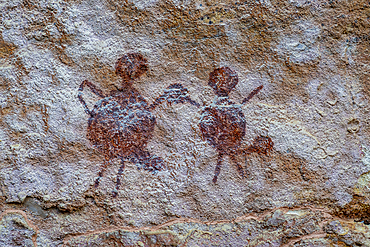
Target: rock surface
column 312, row 58
column 300, row 227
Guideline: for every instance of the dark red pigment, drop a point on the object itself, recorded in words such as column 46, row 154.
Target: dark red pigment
column 121, row 123
column 223, row 123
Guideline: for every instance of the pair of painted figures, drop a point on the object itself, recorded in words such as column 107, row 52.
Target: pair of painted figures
column 121, row 123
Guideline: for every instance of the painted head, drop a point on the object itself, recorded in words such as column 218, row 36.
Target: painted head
column 223, row 80
column 131, row 66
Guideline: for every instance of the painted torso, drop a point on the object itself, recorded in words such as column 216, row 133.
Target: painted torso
column 121, row 123
column 223, row 124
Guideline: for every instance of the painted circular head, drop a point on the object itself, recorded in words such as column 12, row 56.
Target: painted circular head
column 223, row 80
column 131, row 66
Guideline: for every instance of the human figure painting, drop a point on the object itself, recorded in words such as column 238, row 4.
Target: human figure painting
column 122, row 122
column 223, row 123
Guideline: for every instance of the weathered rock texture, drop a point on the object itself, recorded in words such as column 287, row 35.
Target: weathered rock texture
column 312, row 58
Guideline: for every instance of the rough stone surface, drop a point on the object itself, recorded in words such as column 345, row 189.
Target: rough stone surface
column 312, row 58
column 15, row 230
column 274, row 229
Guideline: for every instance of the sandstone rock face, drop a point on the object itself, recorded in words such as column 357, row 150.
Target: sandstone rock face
column 311, row 189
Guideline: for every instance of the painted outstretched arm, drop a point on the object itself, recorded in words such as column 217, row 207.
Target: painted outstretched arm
column 93, row 88
column 250, row 96
column 175, row 93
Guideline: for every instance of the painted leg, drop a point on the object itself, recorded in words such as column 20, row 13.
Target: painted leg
column 240, row 168
column 218, row 167
column 119, row 175
column 101, row 172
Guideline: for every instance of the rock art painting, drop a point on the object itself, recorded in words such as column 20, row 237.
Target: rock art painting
column 121, row 123
column 223, row 123
column 184, row 123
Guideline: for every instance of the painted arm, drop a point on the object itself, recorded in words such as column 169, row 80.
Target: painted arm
column 175, row 93
column 250, row 96
column 93, row 88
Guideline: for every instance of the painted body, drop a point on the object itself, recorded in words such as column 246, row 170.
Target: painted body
column 121, row 124
column 223, row 123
